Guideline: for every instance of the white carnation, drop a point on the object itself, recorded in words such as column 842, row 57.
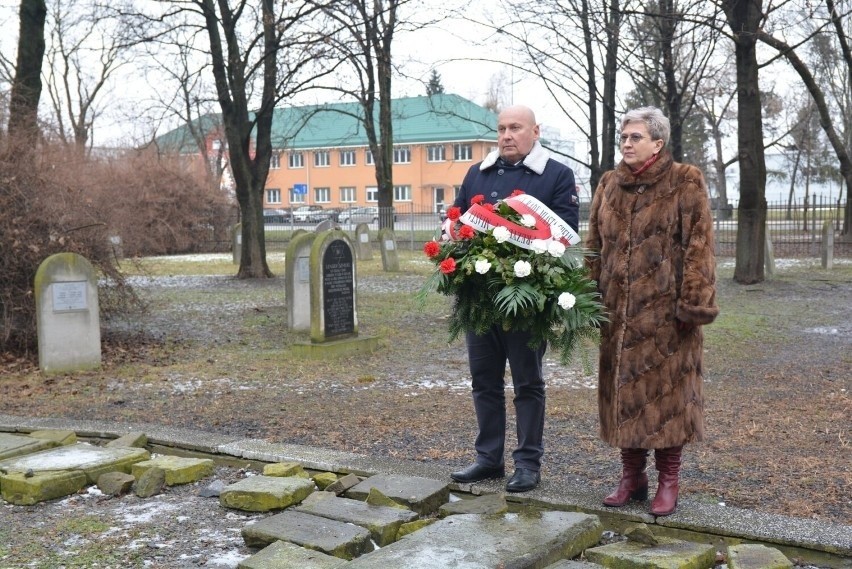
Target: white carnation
column 567, row 300
column 482, row 266
column 522, row 269
column 501, row 234
column 556, row 248
column 527, row 220
column 538, row 246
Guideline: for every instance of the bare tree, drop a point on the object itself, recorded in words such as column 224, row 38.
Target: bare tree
column 674, row 43
column 745, row 18
column 259, row 54
column 86, row 47
column 571, row 46
column 817, row 93
column 362, row 33
column 26, row 86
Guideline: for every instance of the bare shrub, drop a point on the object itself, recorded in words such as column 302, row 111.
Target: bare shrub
column 38, row 218
column 55, row 200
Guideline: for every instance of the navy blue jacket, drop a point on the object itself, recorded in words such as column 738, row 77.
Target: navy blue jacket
column 553, row 186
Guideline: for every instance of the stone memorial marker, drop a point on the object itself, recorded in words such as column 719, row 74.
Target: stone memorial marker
column 297, row 281
column 362, row 240
column 237, row 242
column 67, row 314
column 115, row 245
column 769, row 257
column 387, row 244
column 827, row 249
column 333, row 306
column 334, row 313
column 325, row 225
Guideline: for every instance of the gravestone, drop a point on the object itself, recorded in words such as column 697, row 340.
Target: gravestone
column 115, row 245
column 325, row 225
column 333, row 308
column 67, row 314
column 769, row 257
column 297, row 281
column 237, row 242
column 362, row 241
column 333, row 305
column 827, row 249
column 387, row 245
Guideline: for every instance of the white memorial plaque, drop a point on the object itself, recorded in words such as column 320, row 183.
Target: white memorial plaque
column 303, row 269
column 389, row 245
column 364, row 238
column 69, row 296
column 239, row 238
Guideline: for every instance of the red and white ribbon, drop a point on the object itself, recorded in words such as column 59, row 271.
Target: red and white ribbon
column 548, row 225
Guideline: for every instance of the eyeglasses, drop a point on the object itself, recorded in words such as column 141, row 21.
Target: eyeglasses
column 634, row 138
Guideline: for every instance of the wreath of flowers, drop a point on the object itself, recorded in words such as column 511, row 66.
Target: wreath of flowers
column 544, row 288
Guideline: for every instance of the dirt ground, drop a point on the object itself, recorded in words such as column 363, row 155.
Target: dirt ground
column 211, row 354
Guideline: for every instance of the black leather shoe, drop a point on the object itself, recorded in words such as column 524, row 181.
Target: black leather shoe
column 523, row 480
column 476, row 473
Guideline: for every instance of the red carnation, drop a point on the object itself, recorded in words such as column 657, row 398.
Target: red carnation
column 488, row 206
column 454, row 213
column 478, row 198
column 466, row 232
column 431, row 248
column 448, row 265
column 517, row 192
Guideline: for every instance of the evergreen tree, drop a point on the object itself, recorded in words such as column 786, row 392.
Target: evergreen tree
column 434, row 87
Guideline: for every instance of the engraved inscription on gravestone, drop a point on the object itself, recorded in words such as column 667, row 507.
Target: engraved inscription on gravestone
column 69, row 296
column 303, row 269
column 338, row 290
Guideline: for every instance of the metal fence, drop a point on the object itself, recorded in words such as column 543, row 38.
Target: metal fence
column 795, row 229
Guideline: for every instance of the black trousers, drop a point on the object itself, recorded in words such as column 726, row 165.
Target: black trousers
column 487, row 355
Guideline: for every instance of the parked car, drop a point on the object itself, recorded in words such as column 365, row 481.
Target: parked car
column 309, row 214
column 369, row 214
column 272, row 216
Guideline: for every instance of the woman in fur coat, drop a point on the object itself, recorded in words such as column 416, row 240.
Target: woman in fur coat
column 651, row 228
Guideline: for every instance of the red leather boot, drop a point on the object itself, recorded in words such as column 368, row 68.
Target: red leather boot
column 634, row 480
column 668, row 464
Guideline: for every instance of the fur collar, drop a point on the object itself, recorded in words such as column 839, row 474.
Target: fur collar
column 536, row 160
column 625, row 177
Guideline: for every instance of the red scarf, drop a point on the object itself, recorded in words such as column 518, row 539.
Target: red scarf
column 646, row 165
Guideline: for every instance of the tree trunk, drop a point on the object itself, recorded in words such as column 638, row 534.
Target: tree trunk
column 610, row 68
column 744, row 18
column 26, row 87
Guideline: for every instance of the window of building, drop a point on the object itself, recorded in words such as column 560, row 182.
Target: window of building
column 462, row 152
column 372, row 194
column 401, row 155
column 321, row 158
column 368, row 157
column 322, row 195
column 347, row 194
column 275, row 161
column 347, row 157
column 273, row 195
column 296, row 198
column 435, row 153
column 297, row 160
column 402, row 193
column 492, row 149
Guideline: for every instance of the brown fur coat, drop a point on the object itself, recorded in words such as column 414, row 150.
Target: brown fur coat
column 656, row 265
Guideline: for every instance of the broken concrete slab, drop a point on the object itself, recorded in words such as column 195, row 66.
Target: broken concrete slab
column 115, row 483
column 284, row 469
column 489, row 504
column 382, row 522
column 25, row 489
column 178, row 469
column 324, row 479
column 265, row 493
column 135, row 440
column 756, row 556
column 60, row 437
column 667, row 554
column 281, row 554
column 338, row 539
column 343, row 484
column 92, row 460
column 17, row 445
column 473, row 541
column 150, row 483
column 423, row 495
